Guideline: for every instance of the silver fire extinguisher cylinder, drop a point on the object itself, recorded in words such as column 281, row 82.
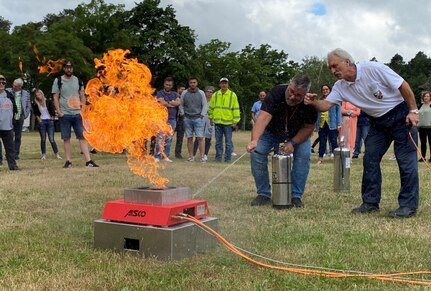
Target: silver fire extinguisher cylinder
column 282, row 180
column 342, row 169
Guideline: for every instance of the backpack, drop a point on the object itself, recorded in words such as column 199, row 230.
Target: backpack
column 59, row 83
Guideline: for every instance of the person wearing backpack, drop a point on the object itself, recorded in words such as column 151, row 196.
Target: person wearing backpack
column 69, row 98
column 8, row 111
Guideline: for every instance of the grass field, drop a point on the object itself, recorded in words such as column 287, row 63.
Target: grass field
column 47, row 214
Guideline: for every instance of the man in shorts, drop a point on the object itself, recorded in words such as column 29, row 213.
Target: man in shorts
column 194, row 107
column 69, row 99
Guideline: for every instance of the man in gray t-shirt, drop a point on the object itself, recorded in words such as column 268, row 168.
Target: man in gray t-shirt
column 69, row 98
column 194, row 107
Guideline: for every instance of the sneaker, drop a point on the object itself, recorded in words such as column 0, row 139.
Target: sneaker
column 57, row 156
column 14, row 168
column 43, row 157
column 233, row 154
column 93, row 151
column 91, row 164
column 403, row 212
column 260, row 200
column 355, row 156
column 156, row 160
column 366, row 208
column 178, row 156
column 332, row 155
column 191, row 159
column 167, row 160
column 297, row 202
column 67, row 165
column 205, row 158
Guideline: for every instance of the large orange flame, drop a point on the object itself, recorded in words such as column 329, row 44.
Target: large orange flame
column 123, row 113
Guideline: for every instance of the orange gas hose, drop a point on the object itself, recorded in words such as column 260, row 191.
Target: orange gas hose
column 393, row 277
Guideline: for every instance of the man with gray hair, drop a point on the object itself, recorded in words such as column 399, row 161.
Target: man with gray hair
column 23, row 104
column 389, row 101
column 283, row 118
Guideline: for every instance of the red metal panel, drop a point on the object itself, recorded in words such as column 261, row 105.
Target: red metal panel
column 158, row 215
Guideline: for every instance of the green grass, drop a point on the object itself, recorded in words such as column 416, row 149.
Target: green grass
column 47, row 214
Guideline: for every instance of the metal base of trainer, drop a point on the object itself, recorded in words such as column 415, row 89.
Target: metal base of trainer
column 142, row 224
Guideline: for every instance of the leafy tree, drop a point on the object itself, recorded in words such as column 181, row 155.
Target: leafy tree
column 317, row 70
column 397, row 64
column 159, row 41
column 417, row 72
column 259, row 69
column 209, row 62
column 98, row 25
column 5, row 24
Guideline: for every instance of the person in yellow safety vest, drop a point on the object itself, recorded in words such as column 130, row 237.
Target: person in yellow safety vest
column 224, row 113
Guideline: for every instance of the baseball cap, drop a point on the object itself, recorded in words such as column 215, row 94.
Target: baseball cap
column 224, row 79
column 2, row 77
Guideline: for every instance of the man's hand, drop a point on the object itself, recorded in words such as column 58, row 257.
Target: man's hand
column 60, row 114
column 288, row 148
column 310, row 98
column 251, row 146
column 412, row 118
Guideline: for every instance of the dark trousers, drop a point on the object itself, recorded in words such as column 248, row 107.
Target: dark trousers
column 424, row 135
column 7, row 138
column 207, row 146
column 180, row 136
column 327, row 134
column 391, row 127
column 17, row 129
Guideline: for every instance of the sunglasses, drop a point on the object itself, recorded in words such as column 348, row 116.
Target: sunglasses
column 3, row 82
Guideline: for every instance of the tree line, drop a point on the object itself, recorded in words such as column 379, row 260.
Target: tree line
column 155, row 37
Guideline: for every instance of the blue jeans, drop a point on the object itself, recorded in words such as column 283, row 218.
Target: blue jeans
column 391, row 127
column 168, row 140
column 361, row 134
column 259, row 164
column 47, row 126
column 226, row 131
column 324, row 134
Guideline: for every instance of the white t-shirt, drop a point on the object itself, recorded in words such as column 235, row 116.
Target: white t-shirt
column 375, row 90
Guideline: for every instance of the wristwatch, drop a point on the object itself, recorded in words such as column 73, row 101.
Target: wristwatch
column 293, row 142
column 415, row 111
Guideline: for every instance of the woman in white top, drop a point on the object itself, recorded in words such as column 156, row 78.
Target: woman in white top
column 44, row 112
column 424, row 124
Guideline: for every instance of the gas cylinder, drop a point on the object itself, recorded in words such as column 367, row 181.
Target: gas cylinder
column 342, row 168
column 282, row 180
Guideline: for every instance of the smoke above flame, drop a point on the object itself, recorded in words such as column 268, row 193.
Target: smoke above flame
column 122, row 113
column 48, row 67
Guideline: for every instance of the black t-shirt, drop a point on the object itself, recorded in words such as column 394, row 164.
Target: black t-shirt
column 282, row 114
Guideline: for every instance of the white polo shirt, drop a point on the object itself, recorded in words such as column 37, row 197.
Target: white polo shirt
column 375, row 90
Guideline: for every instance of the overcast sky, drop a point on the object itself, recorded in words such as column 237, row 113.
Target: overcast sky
column 366, row 28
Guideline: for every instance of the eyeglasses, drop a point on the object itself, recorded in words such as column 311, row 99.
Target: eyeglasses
column 3, row 82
